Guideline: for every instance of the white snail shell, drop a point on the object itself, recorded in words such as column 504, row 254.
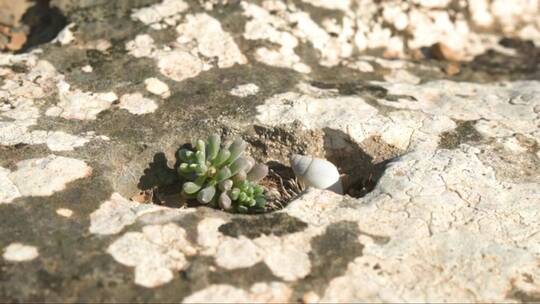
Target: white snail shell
column 316, row 172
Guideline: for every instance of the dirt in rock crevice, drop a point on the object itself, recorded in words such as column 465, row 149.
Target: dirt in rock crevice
column 361, row 164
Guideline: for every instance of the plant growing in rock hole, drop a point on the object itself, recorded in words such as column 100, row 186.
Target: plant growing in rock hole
column 222, row 175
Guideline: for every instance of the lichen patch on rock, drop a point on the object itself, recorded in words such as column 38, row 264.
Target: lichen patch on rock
column 155, row 253
column 17, row 252
column 43, row 176
column 201, row 40
column 116, row 213
column 76, row 104
column 137, row 104
column 245, row 90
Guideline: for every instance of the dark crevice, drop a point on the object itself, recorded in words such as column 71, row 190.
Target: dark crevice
column 44, row 21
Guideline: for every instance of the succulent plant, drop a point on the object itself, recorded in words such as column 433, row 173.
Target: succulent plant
column 222, row 175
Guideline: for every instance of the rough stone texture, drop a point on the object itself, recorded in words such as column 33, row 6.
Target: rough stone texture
column 448, row 156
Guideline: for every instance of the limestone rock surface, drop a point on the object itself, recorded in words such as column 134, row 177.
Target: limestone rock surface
column 445, row 139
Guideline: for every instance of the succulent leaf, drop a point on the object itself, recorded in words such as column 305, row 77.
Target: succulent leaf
column 224, row 201
column 252, row 202
column 218, row 175
column 201, row 169
column 244, row 186
column 191, row 188
column 235, row 192
column 257, row 173
column 242, row 209
column 221, row 158
column 201, row 146
column 213, row 146
column 183, row 168
column 251, row 162
column 240, row 177
column 225, row 185
column 237, row 148
column 206, row 195
column 239, row 164
column 258, row 190
column 242, row 197
column 185, row 154
column 260, row 202
column 223, row 174
column 201, row 158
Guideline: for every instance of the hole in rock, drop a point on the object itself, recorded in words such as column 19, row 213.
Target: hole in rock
column 360, row 164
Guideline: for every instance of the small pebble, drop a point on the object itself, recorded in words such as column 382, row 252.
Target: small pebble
column 64, row 212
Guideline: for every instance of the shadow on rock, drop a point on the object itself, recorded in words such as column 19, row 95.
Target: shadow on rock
column 45, row 23
column 361, row 164
column 161, row 182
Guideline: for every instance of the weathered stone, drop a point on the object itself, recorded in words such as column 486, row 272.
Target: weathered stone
column 442, row 168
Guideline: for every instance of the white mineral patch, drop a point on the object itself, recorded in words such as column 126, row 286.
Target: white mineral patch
column 335, row 4
column 116, row 213
column 87, row 68
column 402, row 76
column 219, row 293
column 16, row 121
column 76, row 104
column 64, row 212
column 235, row 253
column 141, row 46
column 45, row 176
column 362, row 66
column 283, row 58
column 332, row 49
column 245, row 90
column 21, row 116
column 513, row 145
column 157, row 87
column 137, row 104
column 18, row 113
column 403, row 25
column 211, row 41
column 208, row 236
column 66, row 35
column 492, row 128
column 101, row 45
column 264, row 25
column 17, row 252
column 179, row 65
column 272, row 292
column 8, row 190
column 286, row 258
column 170, row 236
column 158, row 12
column 156, row 253
column 61, row 141
column 351, row 114
column 202, row 43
